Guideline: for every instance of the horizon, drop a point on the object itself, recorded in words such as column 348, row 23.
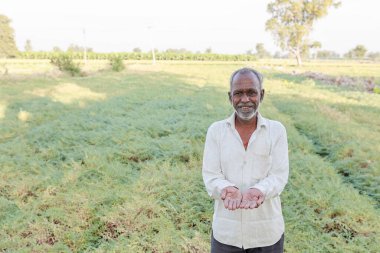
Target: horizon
column 121, row 26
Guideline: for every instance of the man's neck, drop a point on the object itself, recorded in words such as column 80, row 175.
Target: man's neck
column 246, row 124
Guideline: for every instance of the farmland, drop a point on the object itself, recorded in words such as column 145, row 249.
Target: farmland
column 111, row 162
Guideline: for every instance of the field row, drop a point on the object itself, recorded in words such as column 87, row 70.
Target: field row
column 342, row 126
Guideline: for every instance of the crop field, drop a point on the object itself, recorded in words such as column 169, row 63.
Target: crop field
column 111, row 161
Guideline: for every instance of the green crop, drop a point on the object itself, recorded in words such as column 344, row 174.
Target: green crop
column 111, row 162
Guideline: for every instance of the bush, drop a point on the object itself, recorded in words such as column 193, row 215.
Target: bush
column 376, row 90
column 66, row 64
column 117, row 63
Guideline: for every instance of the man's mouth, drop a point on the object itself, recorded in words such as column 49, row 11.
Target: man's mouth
column 246, row 108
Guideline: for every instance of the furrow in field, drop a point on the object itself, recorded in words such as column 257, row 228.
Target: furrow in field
column 351, row 149
column 317, row 205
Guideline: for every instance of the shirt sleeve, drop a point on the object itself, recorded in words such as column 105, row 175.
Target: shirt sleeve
column 213, row 177
column 272, row 185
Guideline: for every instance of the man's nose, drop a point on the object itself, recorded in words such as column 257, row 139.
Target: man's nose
column 245, row 97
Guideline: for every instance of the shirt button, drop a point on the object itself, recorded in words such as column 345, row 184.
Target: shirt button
column 244, row 163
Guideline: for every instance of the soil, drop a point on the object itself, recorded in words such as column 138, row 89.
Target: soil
column 365, row 84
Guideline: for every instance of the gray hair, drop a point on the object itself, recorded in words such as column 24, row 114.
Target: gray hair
column 245, row 71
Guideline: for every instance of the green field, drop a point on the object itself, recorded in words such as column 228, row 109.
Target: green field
column 111, row 162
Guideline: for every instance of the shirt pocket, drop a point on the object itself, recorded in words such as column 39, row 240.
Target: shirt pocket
column 261, row 164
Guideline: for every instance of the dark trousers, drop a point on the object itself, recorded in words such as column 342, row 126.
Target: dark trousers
column 217, row 247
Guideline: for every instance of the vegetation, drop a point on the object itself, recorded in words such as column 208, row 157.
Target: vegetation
column 66, row 64
column 117, row 64
column 165, row 56
column 28, row 46
column 182, row 55
column 374, row 56
column 7, row 42
column 78, row 49
column 327, row 54
column 89, row 167
column 57, row 50
column 177, row 51
column 358, row 52
column 292, row 22
column 261, row 52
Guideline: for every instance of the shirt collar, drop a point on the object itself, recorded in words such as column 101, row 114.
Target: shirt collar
column 261, row 121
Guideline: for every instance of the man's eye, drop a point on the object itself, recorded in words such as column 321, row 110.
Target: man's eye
column 251, row 93
column 238, row 93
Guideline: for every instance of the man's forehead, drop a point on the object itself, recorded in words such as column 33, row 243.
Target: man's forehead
column 247, row 78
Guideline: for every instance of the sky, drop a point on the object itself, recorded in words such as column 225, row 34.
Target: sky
column 225, row 26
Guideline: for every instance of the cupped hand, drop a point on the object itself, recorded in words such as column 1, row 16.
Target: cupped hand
column 252, row 198
column 231, row 197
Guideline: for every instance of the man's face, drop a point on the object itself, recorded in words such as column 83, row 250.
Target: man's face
column 245, row 95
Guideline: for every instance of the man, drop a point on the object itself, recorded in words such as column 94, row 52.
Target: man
column 245, row 168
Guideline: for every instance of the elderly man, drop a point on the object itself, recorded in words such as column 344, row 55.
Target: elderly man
column 245, row 168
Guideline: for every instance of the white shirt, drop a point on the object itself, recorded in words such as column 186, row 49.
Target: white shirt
column 264, row 165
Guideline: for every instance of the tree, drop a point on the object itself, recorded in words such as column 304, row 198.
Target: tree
column 375, row 56
column 137, row 50
column 249, row 52
column 305, row 52
column 208, row 50
column 280, row 55
column 28, row 46
column 327, row 54
column 358, row 52
column 75, row 48
column 7, row 43
column 178, row 51
column 57, row 49
column 293, row 20
column 261, row 52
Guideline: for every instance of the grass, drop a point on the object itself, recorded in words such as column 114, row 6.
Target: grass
column 343, row 129
column 111, row 162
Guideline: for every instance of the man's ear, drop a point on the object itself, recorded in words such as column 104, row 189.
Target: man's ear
column 229, row 97
column 262, row 93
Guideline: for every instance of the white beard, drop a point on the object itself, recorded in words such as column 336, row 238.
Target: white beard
column 247, row 116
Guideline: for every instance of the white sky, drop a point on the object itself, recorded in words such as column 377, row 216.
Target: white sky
column 224, row 25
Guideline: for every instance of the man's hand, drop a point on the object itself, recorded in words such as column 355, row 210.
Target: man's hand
column 231, row 197
column 252, row 198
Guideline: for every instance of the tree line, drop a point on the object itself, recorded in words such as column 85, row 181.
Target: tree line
column 169, row 56
column 77, row 52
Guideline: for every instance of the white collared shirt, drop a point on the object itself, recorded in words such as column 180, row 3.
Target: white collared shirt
column 264, row 165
